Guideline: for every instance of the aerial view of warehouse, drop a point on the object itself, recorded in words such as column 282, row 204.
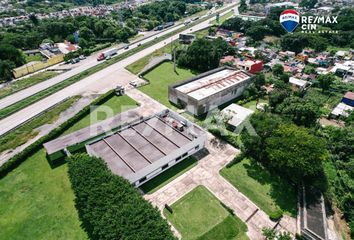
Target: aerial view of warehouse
column 209, row 90
column 139, row 149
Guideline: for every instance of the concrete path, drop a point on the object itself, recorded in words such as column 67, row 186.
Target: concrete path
column 207, row 173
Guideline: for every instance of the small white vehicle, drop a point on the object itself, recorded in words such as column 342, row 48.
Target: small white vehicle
column 133, row 83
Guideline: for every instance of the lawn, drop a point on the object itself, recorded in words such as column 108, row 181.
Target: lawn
column 116, row 104
column 160, row 78
column 169, row 175
column 31, row 58
column 252, row 104
column 200, row 215
column 37, row 202
column 27, row 131
column 25, row 83
column 269, row 192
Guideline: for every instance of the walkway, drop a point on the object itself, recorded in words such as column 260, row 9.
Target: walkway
column 207, row 173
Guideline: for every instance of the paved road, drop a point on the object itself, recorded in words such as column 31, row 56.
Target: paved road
column 96, row 83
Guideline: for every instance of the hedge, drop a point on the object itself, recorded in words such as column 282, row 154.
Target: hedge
column 16, row 160
column 109, row 206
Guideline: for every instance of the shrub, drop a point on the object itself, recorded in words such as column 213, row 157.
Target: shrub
column 276, row 215
column 109, row 206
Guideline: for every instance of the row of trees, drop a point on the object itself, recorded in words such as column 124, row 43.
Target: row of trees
column 203, row 55
column 109, row 206
column 286, row 149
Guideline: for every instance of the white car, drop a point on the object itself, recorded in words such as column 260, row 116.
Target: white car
column 133, row 83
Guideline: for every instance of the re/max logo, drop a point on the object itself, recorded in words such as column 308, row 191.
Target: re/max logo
column 319, row 19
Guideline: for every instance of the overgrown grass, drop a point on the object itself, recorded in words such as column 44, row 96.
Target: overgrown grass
column 37, row 202
column 114, row 105
column 31, row 58
column 269, row 192
column 169, row 175
column 18, row 85
column 160, row 78
column 200, row 215
column 21, row 135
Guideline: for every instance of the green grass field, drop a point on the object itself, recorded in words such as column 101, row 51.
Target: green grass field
column 37, row 202
column 36, row 57
column 18, row 85
column 200, row 215
column 160, row 78
column 116, row 104
column 267, row 191
column 169, row 175
column 26, row 132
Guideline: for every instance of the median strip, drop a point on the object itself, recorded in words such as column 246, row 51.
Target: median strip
column 5, row 112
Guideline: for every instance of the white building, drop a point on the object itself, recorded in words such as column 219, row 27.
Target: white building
column 209, row 90
column 236, row 114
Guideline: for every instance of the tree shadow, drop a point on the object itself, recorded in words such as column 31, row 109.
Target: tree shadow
column 282, row 191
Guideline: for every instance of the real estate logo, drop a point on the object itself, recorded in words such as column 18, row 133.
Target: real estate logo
column 289, row 19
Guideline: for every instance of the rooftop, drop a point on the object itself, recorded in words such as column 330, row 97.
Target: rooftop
column 237, row 113
column 139, row 148
column 349, row 95
column 298, row 82
column 206, row 85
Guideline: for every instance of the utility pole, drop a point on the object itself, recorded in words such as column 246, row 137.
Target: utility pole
column 174, row 59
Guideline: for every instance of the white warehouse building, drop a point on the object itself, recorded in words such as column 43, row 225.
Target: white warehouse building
column 209, row 90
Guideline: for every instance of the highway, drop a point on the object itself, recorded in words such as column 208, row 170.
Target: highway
column 98, row 82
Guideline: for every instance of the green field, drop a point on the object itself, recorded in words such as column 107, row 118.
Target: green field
column 116, row 104
column 18, row 85
column 160, row 78
column 37, row 202
column 200, row 215
column 270, row 193
column 169, row 175
column 27, row 131
column 31, row 58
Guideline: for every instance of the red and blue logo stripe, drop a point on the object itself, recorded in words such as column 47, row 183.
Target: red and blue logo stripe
column 289, row 19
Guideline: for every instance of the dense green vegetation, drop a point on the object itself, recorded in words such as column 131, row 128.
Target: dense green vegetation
column 109, row 206
column 25, row 83
column 200, row 215
column 340, row 170
column 271, row 193
column 27, row 131
column 203, row 55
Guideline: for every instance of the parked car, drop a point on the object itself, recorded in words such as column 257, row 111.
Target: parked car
column 108, row 57
column 139, row 44
column 82, row 57
column 133, row 83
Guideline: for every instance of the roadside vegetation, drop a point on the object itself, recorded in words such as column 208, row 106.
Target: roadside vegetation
column 200, row 215
column 27, row 131
column 25, row 83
